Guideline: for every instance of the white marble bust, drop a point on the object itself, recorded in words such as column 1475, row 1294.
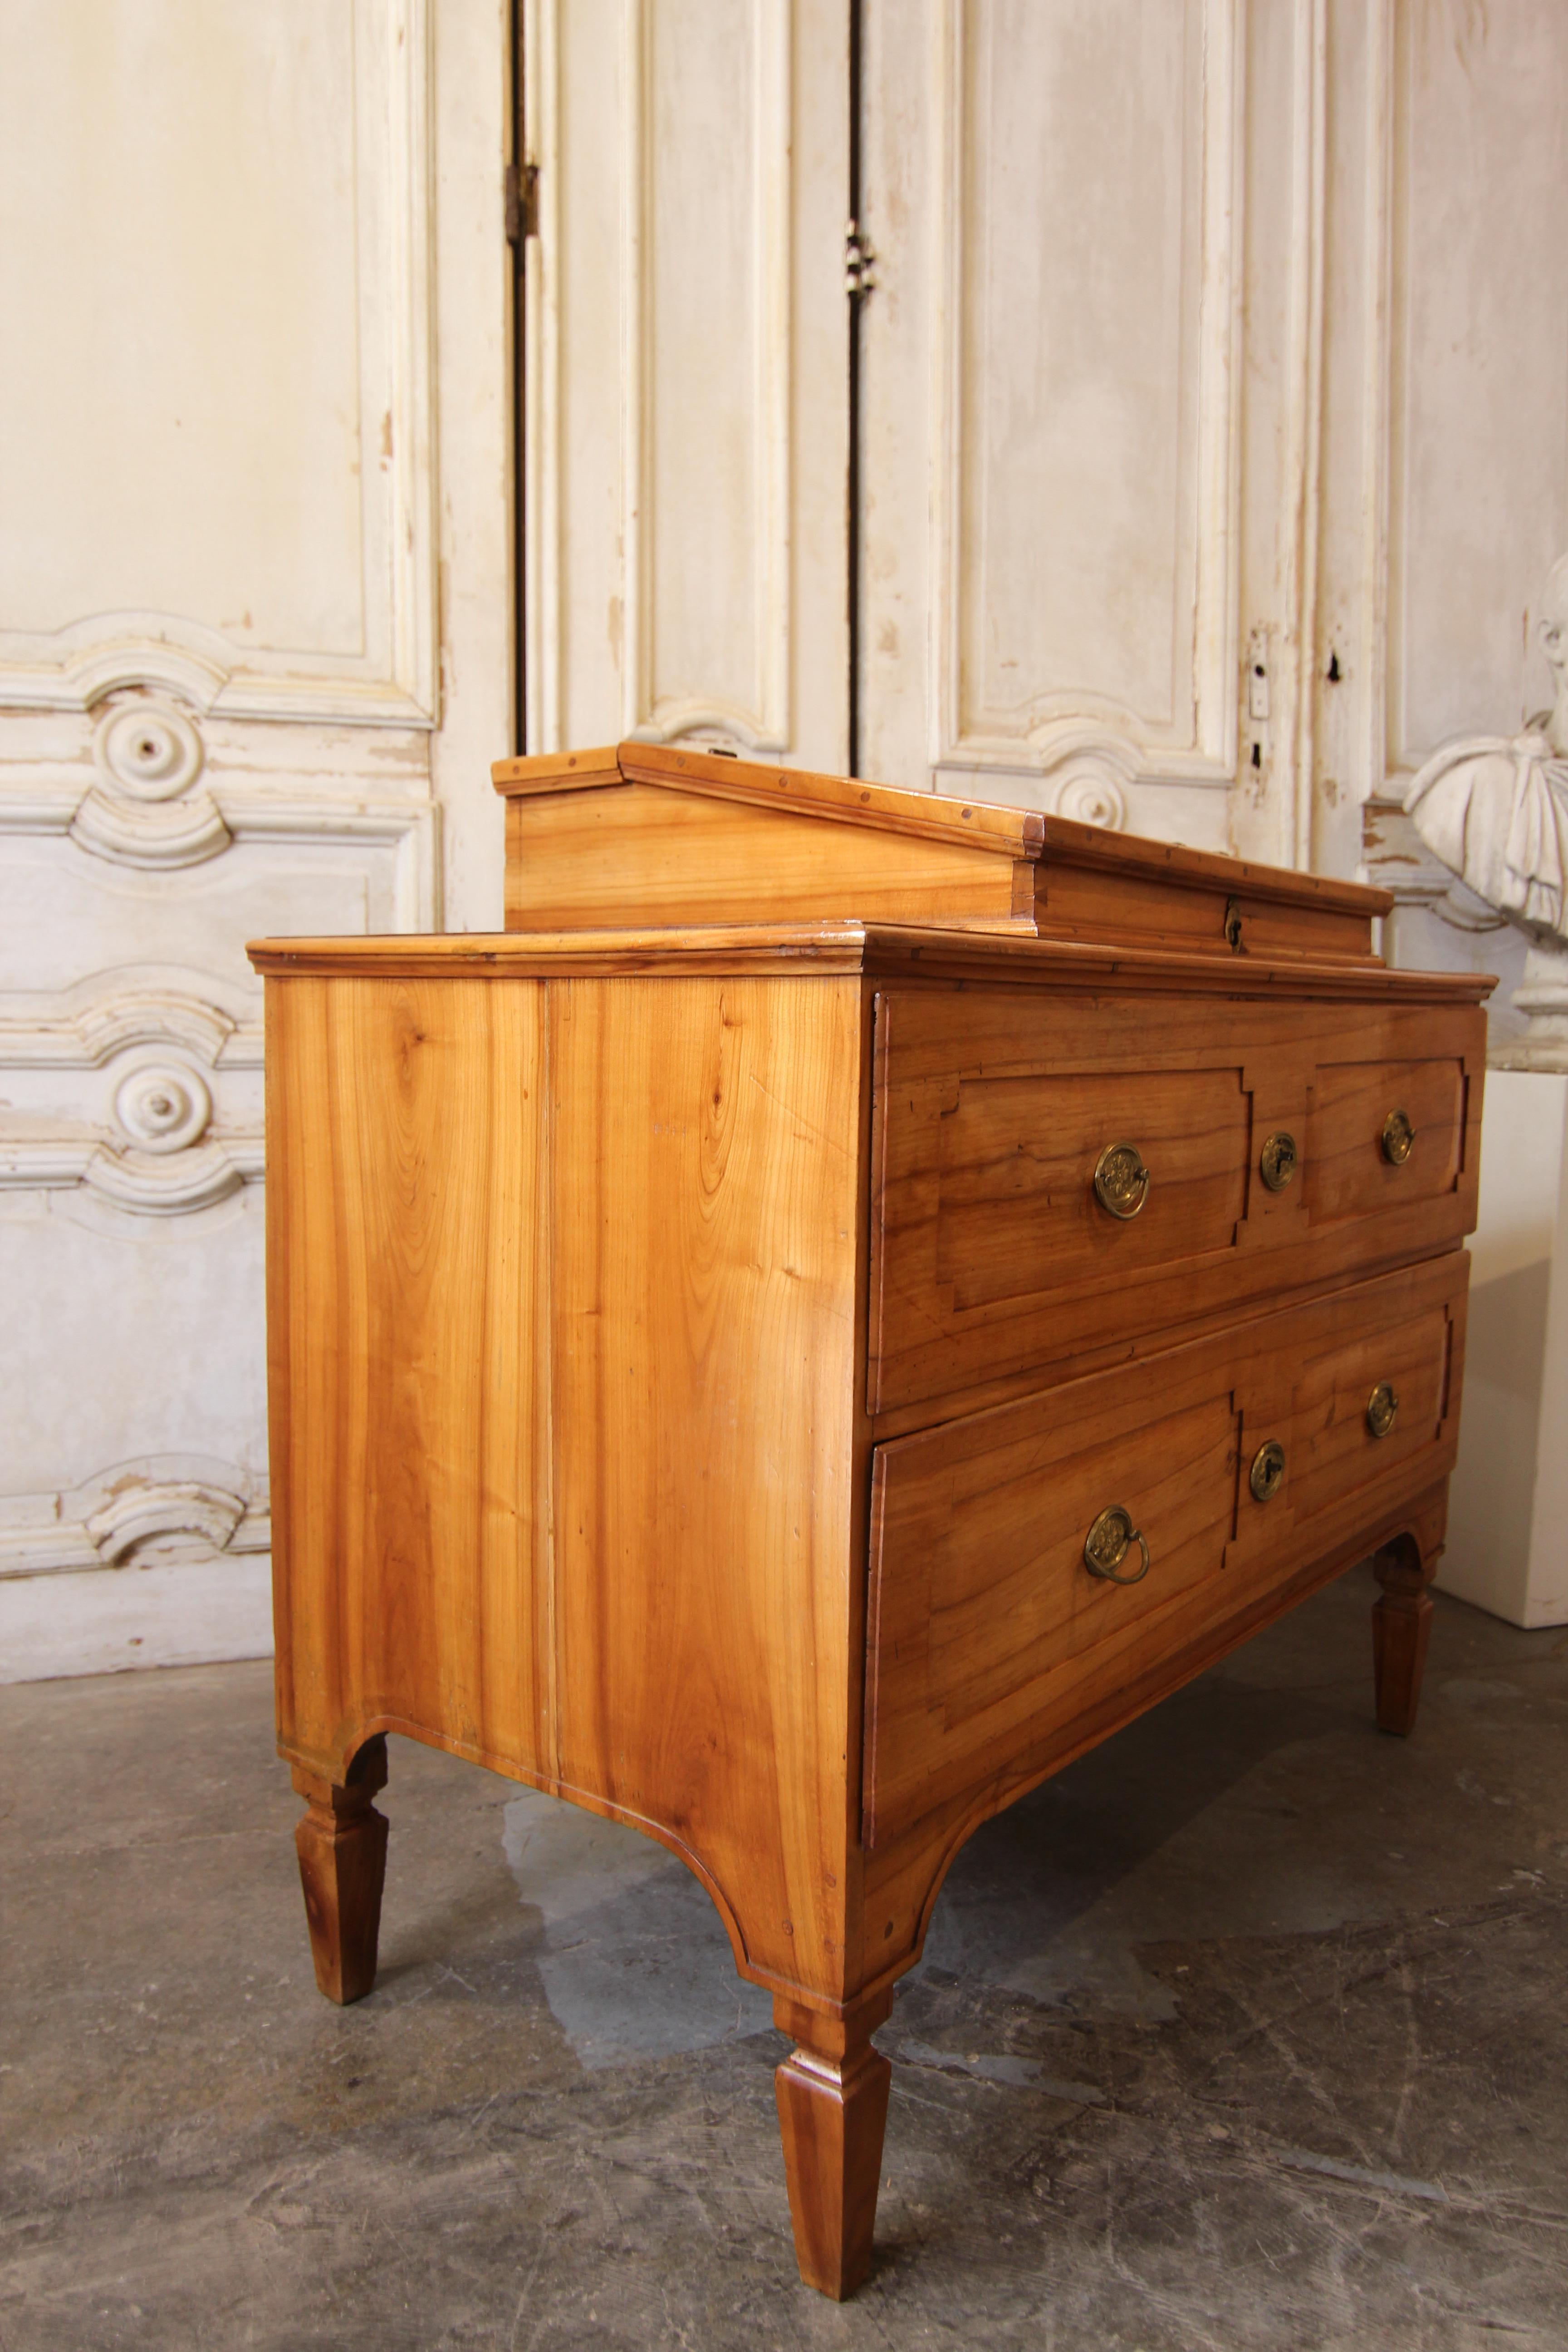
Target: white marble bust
column 1495, row 808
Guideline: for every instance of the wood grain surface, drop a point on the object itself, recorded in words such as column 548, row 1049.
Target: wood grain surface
column 647, row 1303
column 406, row 1277
column 924, row 954
column 707, row 1251
column 564, row 1320
column 984, row 1622
column 991, row 1254
column 639, row 855
column 647, row 833
column 879, row 809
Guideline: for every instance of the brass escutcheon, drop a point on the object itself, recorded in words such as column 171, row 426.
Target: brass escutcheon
column 1382, row 1409
column 1233, row 926
column 1120, row 1180
column 1108, row 1543
column 1267, row 1473
column 1278, row 1160
column 1398, row 1138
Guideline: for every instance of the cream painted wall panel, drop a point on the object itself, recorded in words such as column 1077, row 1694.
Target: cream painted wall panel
column 711, row 437
column 904, row 63
column 1049, row 457
column 687, row 363
column 191, row 147
column 1353, row 543
column 119, row 1298
column 576, row 95
column 218, row 688
column 215, row 395
column 63, row 919
column 1287, row 103
column 1080, row 343
column 174, row 1613
column 1479, row 447
column 473, row 370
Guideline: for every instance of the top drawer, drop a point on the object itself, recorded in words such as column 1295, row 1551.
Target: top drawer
column 1244, row 1151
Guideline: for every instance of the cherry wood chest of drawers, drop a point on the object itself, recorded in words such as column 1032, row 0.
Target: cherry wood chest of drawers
column 846, row 1302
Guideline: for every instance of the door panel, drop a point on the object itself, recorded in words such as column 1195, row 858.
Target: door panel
column 686, row 356
column 222, row 710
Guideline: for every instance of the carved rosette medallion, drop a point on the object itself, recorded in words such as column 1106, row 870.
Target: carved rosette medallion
column 162, row 1106
column 148, row 808
column 147, row 749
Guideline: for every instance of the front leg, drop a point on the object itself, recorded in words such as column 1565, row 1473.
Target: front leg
column 833, row 2109
column 1401, row 1623
column 341, row 1843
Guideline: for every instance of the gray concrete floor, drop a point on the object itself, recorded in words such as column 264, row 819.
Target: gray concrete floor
column 1248, row 2031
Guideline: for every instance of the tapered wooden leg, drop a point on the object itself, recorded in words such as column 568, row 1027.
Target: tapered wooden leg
column 342, row 1867
column 1401, row 1622
column 833, row 2110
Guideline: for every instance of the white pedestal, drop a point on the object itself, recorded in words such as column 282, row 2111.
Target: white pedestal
column 1508, row 1505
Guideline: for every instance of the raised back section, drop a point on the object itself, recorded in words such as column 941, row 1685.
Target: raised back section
column 640, row 835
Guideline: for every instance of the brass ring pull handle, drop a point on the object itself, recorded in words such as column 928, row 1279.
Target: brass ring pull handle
column 1108, row 1543
column 1382, row 1409
column 1278, row 1160
column 1267, row 1473
column 1120, row 1180
column 1398, row 1138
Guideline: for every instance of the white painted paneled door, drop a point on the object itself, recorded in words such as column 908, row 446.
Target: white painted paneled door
column 1090, row 391
column 254, row 413
column 687, row 376
column 1118, row 532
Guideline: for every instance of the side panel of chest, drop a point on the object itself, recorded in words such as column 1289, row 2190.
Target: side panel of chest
column 1263, row 1150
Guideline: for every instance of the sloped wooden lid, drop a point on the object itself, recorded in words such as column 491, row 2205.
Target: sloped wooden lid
column 845, row 800
column 1018, row 833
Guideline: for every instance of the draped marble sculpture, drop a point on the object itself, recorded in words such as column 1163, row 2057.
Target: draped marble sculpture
column 1494, row 809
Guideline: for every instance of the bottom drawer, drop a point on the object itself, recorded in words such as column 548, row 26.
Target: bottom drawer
column 1228, row 1466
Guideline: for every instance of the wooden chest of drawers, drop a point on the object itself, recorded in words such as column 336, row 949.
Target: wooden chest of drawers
column 791, row 1382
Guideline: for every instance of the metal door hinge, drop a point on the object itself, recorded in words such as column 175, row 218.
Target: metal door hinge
column 860, row 262
column 522, row 202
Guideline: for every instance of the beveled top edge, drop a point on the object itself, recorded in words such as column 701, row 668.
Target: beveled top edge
column 828, row 946
column 897, row 950
column 845, row 800
column 880, row 950
column 556, row 771
column 1068, row 842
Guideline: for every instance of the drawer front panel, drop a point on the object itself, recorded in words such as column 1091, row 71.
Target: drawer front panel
column 1013, row 1155
column 1349, row 1169
column 1334, row 1452
column 990, row 1613
column 987, row 1633
column 992, row 1255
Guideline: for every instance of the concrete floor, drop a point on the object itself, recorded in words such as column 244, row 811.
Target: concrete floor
column 1248, row 2031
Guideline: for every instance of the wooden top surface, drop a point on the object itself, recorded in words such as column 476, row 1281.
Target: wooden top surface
column 807, row 951
column 1011, row 833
